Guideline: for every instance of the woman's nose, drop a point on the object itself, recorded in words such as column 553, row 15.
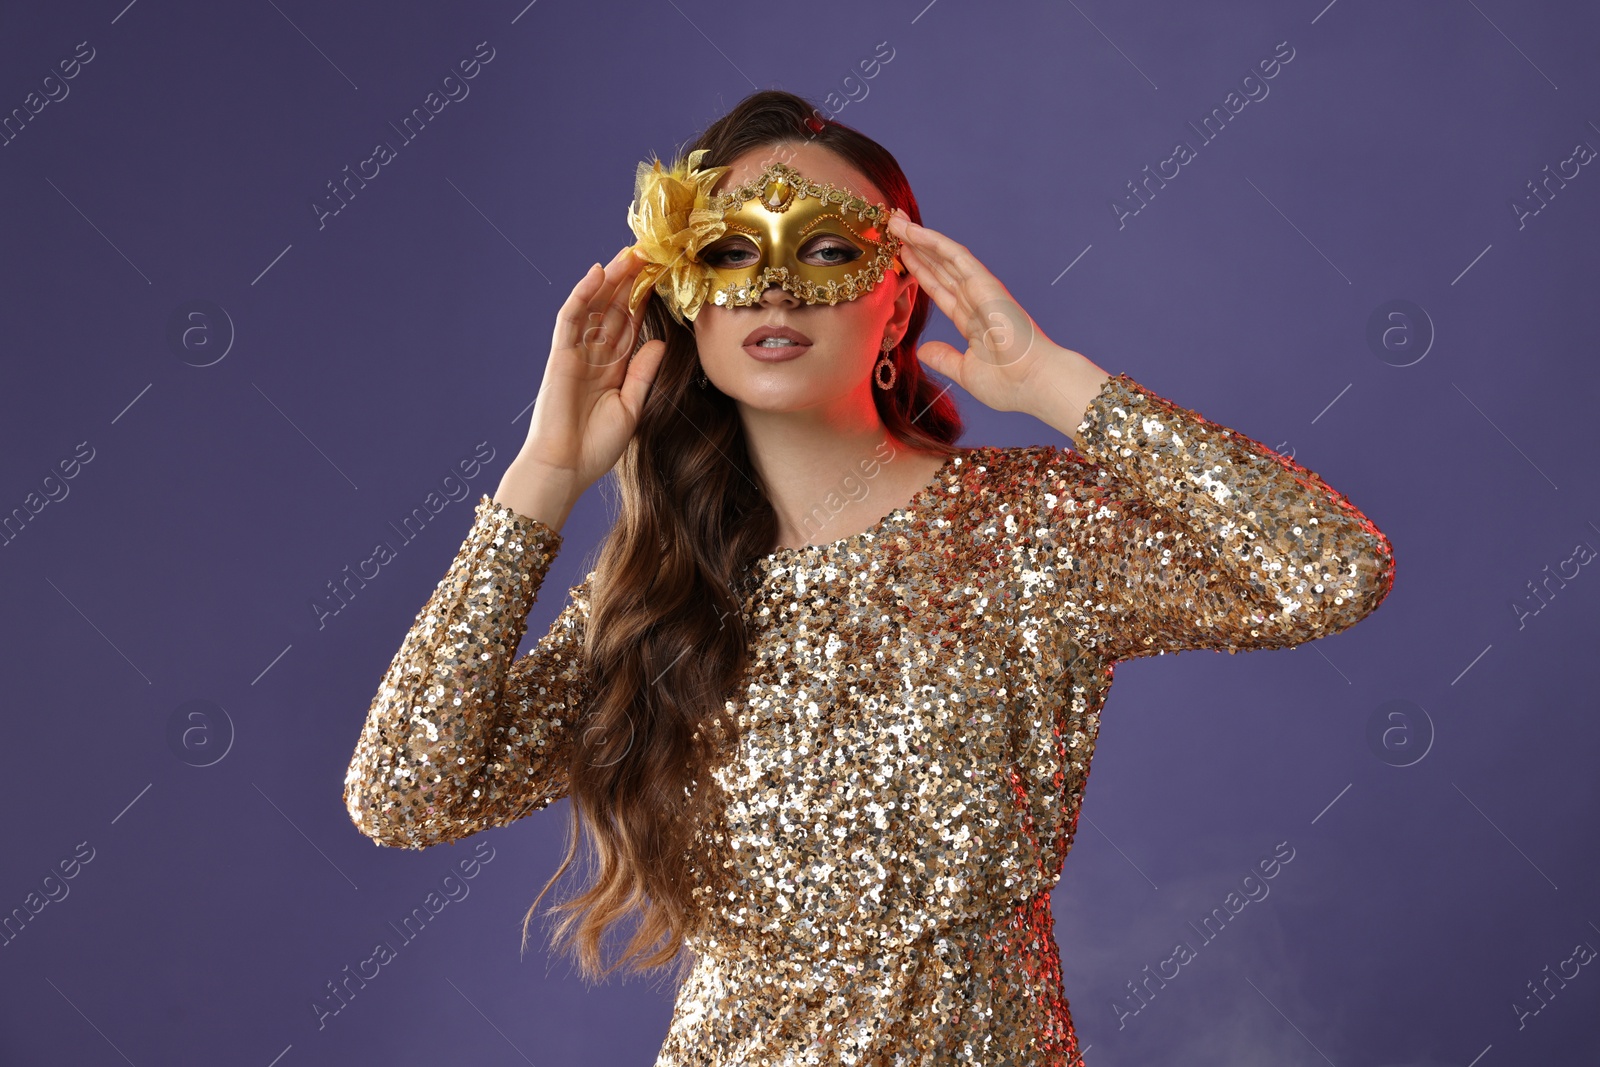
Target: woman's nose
column 776, row 295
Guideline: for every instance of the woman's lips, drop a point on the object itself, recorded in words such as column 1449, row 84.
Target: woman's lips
column 776, row 354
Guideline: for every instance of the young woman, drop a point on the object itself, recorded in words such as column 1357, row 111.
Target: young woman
column 826, row 704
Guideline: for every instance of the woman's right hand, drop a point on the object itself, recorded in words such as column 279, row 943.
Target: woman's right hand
column 589, row 402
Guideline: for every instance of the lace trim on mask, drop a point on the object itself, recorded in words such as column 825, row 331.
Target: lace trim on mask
column 855, row 284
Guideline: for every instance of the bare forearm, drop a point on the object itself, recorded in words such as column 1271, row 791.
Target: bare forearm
column 539, row 491
column 1061, row 387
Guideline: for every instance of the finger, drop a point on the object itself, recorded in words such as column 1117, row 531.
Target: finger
column 583, row 325
column 937, row 262
column 623, row 266
column 942, row 359
column 956, row 258
column 641, row 374
column 623, row 290
column 930, row 279
column 617, row 326
column 932, row 267
column 951, row 296
column 570, row 316
column 636, row 317
column 963, row 274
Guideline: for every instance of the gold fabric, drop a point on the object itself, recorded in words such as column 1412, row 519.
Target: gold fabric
column 917, row 723
column 777, row 214
column 672, row 218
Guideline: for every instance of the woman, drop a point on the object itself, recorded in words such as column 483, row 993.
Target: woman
column 826, row 704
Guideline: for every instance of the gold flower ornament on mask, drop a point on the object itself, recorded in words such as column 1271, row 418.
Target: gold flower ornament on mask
column 672, row 217
column 768, row 222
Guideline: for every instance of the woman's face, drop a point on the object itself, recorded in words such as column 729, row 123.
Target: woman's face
column 844, row 338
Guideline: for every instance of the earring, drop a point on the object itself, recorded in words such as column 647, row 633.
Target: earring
column 884, row 363
column 701, row 380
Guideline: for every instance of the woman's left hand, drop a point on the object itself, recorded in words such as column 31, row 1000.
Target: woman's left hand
column 1009, row 360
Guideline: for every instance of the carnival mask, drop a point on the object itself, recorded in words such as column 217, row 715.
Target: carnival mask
column 821, row 243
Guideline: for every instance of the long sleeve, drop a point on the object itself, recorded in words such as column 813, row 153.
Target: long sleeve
column 1172, row 532
column 459, row 737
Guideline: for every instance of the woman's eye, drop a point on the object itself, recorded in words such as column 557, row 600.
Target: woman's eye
column 828, row 253
column 834, row 253
column 729, row 255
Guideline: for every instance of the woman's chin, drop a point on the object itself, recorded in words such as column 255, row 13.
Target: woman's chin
column 773, row 387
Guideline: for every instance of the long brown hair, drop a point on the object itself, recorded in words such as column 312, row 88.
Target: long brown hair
column 665, row 643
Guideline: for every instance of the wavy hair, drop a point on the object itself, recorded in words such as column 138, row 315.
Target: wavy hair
column 665, row 643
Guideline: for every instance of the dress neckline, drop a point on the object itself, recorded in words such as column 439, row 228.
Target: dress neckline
column 895, row 519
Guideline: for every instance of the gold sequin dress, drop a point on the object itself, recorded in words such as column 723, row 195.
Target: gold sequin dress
column 921, row 710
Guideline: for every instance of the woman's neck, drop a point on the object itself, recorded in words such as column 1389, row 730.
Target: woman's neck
column 826, row 484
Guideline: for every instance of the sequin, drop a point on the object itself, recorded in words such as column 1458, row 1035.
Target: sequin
column 917, row 723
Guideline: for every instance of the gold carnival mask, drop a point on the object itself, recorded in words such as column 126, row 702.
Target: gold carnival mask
column 821, row 243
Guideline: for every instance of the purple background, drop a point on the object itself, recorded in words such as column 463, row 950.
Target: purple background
column 365, row 358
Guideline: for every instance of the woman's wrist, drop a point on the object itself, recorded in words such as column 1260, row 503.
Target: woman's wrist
column 1061, row 387
column 536, row 490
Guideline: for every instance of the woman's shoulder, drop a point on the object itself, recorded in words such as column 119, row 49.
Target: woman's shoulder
column 995, row 498
column 1022, row 470
column 1023, row 482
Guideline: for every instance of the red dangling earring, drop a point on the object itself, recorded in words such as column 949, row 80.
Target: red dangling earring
column 884, row 362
